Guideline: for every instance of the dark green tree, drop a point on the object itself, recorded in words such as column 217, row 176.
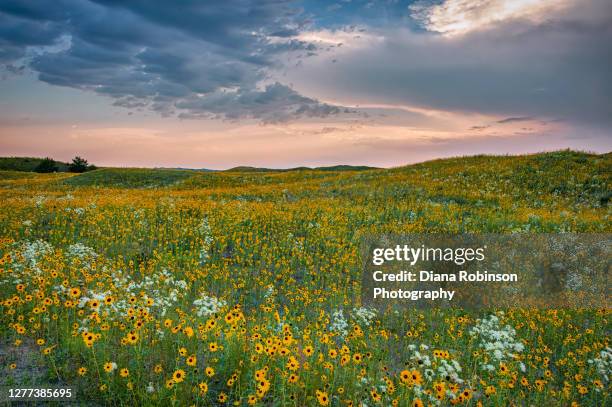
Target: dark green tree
column 46, row 165
column 78, row 164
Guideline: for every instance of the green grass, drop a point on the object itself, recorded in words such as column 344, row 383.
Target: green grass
column 26, row 164
column 12, row 175
column 129, row 178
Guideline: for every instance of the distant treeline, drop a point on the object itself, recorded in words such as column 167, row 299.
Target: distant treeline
column 32, row 164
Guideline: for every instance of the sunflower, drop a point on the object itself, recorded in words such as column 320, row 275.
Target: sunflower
column 292, row 363
column 405, row 376
column 178, row 375
column 375, row 396
column 322, row 398
column 263, row 384
column 132, row 337
column 203, row 387
column 188, row 331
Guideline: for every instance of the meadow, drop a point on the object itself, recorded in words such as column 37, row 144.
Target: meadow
column 174, row 287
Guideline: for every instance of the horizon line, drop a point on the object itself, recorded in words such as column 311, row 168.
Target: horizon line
column 304, row 167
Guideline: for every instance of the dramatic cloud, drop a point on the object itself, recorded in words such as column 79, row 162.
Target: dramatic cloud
column 470, row 67
column 453, row 17
column 556, row 66
column 276, row 103
column 203, row 59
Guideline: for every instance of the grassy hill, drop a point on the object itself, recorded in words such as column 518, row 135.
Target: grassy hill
column 329, row 168
column 478, row 180
column 128, row 178
column 26, row 164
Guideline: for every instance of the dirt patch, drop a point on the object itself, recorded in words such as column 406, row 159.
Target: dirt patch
column 29, row 369
column 23, row 367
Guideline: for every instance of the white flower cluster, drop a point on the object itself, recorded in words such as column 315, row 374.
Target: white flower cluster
column 499, row 342
column 364, row 315
column 84, row 300
column 39, row 200
column 447, row 369
column 81, row 251
column 206, row 305
column 451, row 369
column 423, row 359
column 78, row 211
column 160, row 287
column 603, row 363
column 339, row 324
column 32, row 253
column 164, row 295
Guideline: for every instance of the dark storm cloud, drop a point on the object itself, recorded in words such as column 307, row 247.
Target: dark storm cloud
column 276, row 103
column 17, row 33
column 164, row 57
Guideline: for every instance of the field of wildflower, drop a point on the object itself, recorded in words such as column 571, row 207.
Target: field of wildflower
column 169, row 287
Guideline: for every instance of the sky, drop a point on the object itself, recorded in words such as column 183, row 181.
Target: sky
column 283, row 83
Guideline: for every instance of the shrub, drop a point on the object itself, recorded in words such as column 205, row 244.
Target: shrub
column 46, row 165
column 78, row 164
